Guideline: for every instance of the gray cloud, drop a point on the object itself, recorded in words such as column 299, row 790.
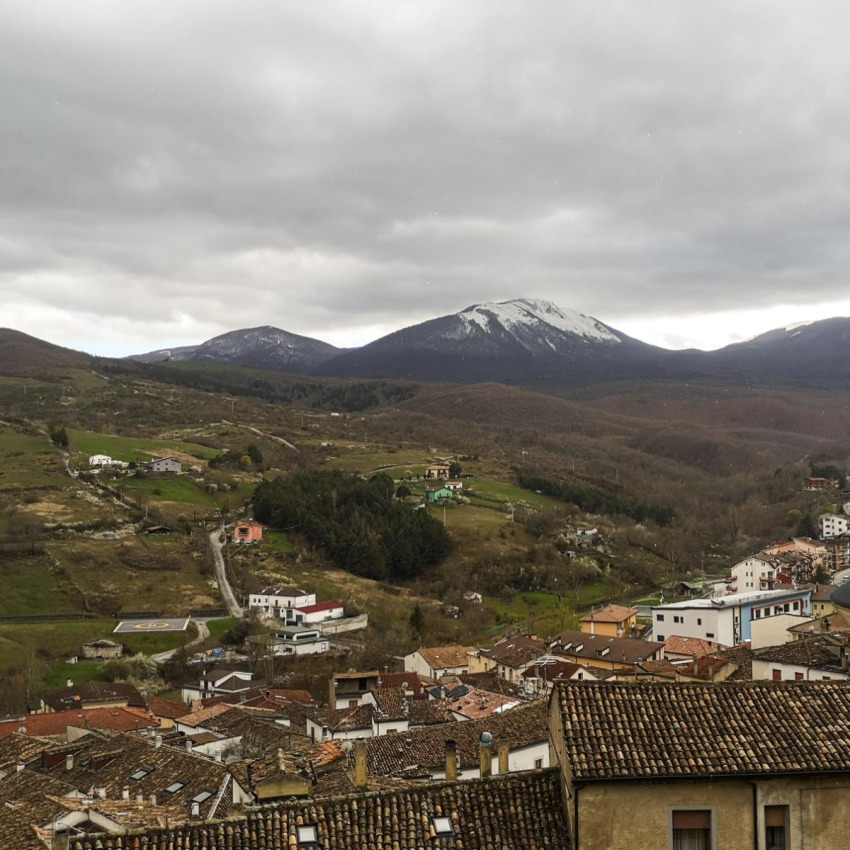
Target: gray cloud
column 171, row 171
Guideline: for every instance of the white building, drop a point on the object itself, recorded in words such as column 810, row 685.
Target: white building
column 100, row 460
column 298, row 640
column 279, row 603
column 319, row 613
column 832, row 525
column 752, row 573
column 822, row 658
column 726, row 619
column 165, row 464
column 433, row 662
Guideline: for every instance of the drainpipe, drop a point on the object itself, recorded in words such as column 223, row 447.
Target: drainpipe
column 755, row 812
column 576, row 789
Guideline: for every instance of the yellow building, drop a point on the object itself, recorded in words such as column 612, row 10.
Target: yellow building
column 612, row 621
column 687, row 766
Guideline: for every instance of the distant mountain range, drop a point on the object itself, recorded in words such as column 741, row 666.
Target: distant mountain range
column 524, row 341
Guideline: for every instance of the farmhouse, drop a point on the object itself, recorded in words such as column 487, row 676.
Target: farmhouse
column 164, row 464
column 247, row 532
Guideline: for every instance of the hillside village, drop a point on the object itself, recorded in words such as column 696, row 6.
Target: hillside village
column 212, row 677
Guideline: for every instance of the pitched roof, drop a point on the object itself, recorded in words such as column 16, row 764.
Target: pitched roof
column 170, row 708
column 319, row 606
column 519, row 810
column 556, row 670
column 57, row 722
column 441, row 657
column 676, row 645
column 615, row 731
column 516, row 651
column 388, row 755
column 28, row 798
column 73, row 696
column 204, row 715
column 742, row 658
column 390, row 704
column 822, row 652
column 477, row 703
column 283, row 591
column 610, row 614
column 593, row 647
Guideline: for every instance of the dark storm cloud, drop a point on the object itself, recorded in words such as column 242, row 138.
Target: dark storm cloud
column 170, row 171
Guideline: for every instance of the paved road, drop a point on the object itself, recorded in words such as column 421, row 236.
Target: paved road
column 203, row 634
column 216, row 544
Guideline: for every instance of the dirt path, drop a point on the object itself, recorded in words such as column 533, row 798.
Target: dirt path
column 260, row 433
column 203, row 634
column 216, row 545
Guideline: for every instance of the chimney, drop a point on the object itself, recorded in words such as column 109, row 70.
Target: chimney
column 101, row 792
column 218, row 755
column 486, row 754
column 360, row 770
column 125, row 792
column 153, row 799
column 196, row 810
column 451, row 761
column 845, row 661
column 69, row 761
column 69, row 683
column 157, row 741
column 503, row 749
column 20, row 767
column 139, row 799
column 188, row 745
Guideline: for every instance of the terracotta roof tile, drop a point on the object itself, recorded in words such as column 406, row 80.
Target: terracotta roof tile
column 75, row 696
column 518, row 811
column 610, row 614
column 660, row 730
column 442, row 657
column 57, row 722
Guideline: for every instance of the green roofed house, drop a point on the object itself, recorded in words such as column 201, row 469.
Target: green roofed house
column 438, row 494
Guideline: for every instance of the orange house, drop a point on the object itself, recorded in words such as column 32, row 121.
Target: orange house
column 248, row 532
column 612, row 621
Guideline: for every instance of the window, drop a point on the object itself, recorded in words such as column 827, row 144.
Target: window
column 776, row 827
column 699, row 621
column 659, row 618
column 777, row 675
column 202, row 797
column 691, row 829
column 660, row 638
column 786, row 607
column 442, row 827
column 307, row 836
column 538, row 763
column 798, row 677
column 140, row 774
column 709, row 634
column 176, row 786
column 758, row 613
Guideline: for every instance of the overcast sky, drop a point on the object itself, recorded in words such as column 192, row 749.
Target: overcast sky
column 173, row 170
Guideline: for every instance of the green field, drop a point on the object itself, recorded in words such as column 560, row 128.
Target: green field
column 133, row 448
column 28, row 460
column 277, row 541
column 218, row 628
column 544, row 612
column 30, row 587
column 488, row 489
column 184, row 491
column 51, row 643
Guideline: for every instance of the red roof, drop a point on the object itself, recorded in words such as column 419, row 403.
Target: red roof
column 322, row 606
column 117, row 719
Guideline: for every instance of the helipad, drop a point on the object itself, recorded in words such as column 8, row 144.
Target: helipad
column 166, row 624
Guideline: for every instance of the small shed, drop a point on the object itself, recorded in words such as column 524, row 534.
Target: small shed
column 247, row 532
column 102, row 648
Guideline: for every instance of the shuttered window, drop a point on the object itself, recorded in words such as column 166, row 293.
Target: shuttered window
column 691, row 829
column 775, row 827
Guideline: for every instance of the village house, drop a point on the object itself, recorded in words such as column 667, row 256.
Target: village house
column 611, row 621
column 56, row 723
column 726, row 619
column 92, row 695
column 348, row 690
column 509, row 658
column 103, row 648
column 247, row 532
column 220, row 681
column 477, row 704
column 814, row 658
column 818, row 551
column 439, row 494
column 318, row 613
column 294, row 640
column 816, row 483
column 832, row 525
column 815, row 626
column 537, row 681
column 164, row 464
column 606, row 653
column 520, row 735
column 702, row 774
column 677, row 648
column 437, row 471
column 822, row 604
column 276, row 602
column 433, row 662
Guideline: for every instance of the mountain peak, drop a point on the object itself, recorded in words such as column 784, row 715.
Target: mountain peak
column 530, row 311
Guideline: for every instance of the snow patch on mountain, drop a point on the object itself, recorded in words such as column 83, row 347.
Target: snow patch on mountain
column 528, row 313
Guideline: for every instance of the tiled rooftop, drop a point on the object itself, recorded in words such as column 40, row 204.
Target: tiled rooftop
column 615, row 650
column 74, row 696
column 676, row 645
column 519, row 812
column 516, row 651
column 441, row 657
column 654, row 730
column 820, row 651
column 520, row 727
column 57, row 722
column 610, row 614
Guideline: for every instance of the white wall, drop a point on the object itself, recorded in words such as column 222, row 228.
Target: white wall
column 520, row 759
column 763, row 670
column 773, row 631
column 715, row 624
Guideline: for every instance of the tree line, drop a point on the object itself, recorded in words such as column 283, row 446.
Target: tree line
column 358, row 523
column 593, row 500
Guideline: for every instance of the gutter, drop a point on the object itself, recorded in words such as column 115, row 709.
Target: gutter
column 753, row 785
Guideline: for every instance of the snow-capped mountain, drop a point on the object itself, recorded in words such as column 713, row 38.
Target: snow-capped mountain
column 261, row 348
column 504, row 341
